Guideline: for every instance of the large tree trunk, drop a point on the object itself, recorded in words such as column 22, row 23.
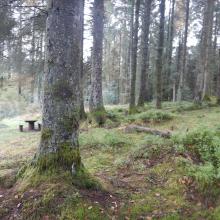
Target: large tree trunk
column 82, row 109
column 183, row 67
column 207, row 32
column 134, row 56
column 203, row 78
column 144, row 58
column 96, row 99
column 59, row 138
column 159, row 61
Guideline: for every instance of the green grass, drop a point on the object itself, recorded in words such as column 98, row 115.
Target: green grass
column 151, row 116
column 144, row 171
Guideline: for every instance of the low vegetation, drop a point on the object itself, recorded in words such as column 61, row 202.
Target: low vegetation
column 128, row 175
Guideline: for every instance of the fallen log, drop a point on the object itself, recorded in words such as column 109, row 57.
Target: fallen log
column 136, row 128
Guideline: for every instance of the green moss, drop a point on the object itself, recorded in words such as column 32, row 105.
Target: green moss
column 134, row 211
column 172, row 217
column 46, row 134
column 206, row 98
column 33, row 177
column 58, row 195
column 65, row 157
column 99, row 137
column 188, row 107
column 62, row 90
column 8, row 180
column 133, row 110
column 83, row 179
column 99, row 116
column 151, row 116
column 75, row 208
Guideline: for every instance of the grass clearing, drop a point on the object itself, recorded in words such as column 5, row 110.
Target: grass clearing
column 150, row 175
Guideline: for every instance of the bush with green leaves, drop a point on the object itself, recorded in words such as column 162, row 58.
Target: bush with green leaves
column 117, row 114
column 188, row 107
column 151, row 147
column 203, row 146
column 151, row 116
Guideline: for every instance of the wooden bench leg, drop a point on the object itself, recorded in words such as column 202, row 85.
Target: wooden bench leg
column 39, row 126
column 21, row 128
column 31, row 126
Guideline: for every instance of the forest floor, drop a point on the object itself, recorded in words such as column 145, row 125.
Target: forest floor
column 142, row 176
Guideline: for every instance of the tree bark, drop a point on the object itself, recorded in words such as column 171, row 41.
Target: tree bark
column 33, row 75
column 134, row 56
column 170, row 49
column 96, row 98
column 19, row 58
column 128, row 69
column 145, row 51
column 183, row 67
column 159, row 61
column 59, row 146
column 218, row 79
column 207, row 31
column 203, row 78
column 82, row 109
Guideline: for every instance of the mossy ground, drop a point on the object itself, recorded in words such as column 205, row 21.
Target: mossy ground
column 131, row 176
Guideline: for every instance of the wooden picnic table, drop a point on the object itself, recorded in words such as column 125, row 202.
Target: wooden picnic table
column 30, row 124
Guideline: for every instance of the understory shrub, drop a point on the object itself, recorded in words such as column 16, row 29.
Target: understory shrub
column 188, row 107
column 152, row 147
column 203, row 146
column 104, row 138
column 151, row 116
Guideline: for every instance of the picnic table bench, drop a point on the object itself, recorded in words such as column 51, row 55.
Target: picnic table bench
column 31, row 126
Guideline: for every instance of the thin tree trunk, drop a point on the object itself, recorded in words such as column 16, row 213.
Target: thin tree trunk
column 41, row 68
column 218, row 78
column 159, row 61
column 174, row 91
column 19, row 58
column 208, row 49
column 183, row 69
column 59, row 146
column 171, row 41
column 134, row 57
column 168, row 81
column 129, row 52
column 144, row 58
column 119, row 89
column 82, row 109
column 33, row 74
column 96, row 98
